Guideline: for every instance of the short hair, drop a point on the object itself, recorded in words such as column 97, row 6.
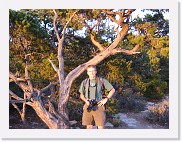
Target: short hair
column 91, row 66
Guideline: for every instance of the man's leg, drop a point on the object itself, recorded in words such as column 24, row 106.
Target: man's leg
column 89, row 126
column 100, row 117
column 100, row 127
column 87, row 118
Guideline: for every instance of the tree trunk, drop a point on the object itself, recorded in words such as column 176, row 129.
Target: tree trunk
column 64, row 111
column 62, row 106
column 54, row 119
column 49, row 119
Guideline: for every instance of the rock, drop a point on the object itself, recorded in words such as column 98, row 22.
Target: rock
column 109, row 125
column 150, row 104
column 73, row 122
column 131, row 122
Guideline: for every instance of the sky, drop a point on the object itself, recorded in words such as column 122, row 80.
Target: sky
column 141, row 14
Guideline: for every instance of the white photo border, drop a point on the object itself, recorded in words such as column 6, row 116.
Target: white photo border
column 171, row 133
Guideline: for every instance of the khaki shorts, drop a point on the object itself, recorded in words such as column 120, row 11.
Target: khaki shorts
column 98, row 115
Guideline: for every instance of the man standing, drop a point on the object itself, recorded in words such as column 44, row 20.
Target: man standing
column 91, row 90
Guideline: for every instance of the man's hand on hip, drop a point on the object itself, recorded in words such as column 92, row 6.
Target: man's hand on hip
column 102, row 102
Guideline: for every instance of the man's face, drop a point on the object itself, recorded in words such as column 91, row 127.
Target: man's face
column 91, row 72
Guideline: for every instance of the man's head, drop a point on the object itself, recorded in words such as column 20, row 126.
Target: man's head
column 91, row 71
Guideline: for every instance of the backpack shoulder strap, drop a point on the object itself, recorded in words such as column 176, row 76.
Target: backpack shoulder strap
column 85, row 82
column 101, row 81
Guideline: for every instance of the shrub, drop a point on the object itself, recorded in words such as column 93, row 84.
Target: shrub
column 131, row 102
column 111, row 107
column 116, row 122
column 156, row 88
column 159, row 113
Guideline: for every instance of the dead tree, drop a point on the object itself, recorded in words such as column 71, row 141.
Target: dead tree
column 57, row 117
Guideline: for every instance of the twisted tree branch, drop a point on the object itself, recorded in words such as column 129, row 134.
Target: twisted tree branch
column 125, row 51
column 101, row 48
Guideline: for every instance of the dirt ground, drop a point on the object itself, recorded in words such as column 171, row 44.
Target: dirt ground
column 32, row 120
column 140, row 122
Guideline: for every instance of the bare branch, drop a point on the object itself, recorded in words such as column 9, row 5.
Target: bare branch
column 122, row 12
column 114, row 20
column 87, row 25
column 23, row 109
column 136, row 48
column 27, row 77
column 53, row 65
column 60, row 46
column 13, row 95
column 57, row 114
column 128, row 14
column 22, row 85
column 17, row 79
column 101, row 48
column 122, row 15
column 13, row 77
column 54, row 23
column 64, row 30
column 47, row 87
column 128, row 52
column 16, row 101
column 95, row 25
column 109, row 13
column 16, row 107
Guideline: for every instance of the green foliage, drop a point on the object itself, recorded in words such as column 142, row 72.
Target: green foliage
column 118, row 70
column 165, row 52
column 26, row 31
column 137, row 83
column 156, row 88
column 42, row 73
column 136, row 39
column 111, row 107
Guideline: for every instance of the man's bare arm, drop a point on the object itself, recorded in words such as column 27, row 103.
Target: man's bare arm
column 103, row 101
column 82, row 96
column 111, row 93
